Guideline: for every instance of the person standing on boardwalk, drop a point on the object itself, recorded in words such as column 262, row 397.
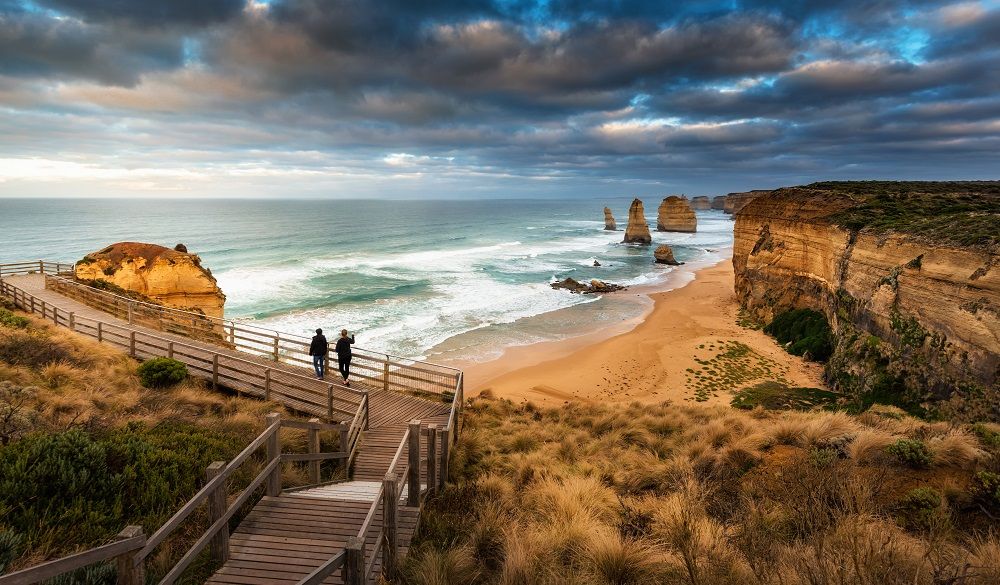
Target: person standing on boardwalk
column 318, row 350
column 343, row 350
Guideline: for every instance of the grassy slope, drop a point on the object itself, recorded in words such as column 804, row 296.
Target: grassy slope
column 85, row 450
column 963, row 213
column 689, row 494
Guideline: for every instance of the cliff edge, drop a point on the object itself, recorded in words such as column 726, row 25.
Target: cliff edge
column 908, row 275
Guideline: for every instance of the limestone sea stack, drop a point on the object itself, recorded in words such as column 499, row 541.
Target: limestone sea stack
column 701, row 202
column 665, row 255
column 719, row 202
column 675, row 215
column 637, row 231
column 609, row 220
column 172, row 278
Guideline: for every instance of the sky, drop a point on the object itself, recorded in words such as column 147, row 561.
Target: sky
column 503, row 98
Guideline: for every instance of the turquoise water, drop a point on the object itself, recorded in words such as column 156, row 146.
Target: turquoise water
column 411, row 277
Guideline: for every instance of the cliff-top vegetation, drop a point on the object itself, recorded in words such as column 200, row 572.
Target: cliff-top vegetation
column 688, row 494
column 966, row 213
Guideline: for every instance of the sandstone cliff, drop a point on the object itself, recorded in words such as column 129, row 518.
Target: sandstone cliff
column 701, row 202
column 637, row 231
column 737, row 201
column 172, row 278
column 609, row 220
column 719, row 202
column 915, row 305
column 675, row 215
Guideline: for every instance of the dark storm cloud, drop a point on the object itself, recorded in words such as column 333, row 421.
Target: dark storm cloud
column 718, row 94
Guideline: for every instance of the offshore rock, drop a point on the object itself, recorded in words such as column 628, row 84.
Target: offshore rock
column 595, row 286
column 665, row 255
column 701, row 202
column 637, row 231
column 169, row 277
column 675, row 215
column 719, row 202
column 609, row 220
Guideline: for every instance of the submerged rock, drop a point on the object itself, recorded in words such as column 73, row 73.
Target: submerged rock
column 637, row 231
column 595, row 286
column 609, row 220
column 675, row 215
column 665, row 255
column 175, row 279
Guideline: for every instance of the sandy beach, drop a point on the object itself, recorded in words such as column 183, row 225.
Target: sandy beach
column 688, row 348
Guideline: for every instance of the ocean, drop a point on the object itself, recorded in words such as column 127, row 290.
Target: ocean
column 454, row 280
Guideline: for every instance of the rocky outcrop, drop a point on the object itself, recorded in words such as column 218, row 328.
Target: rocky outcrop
column 169, row 277
column 665, row 255
column 675, row 215
column 609, row 220
column 916, row 316
column 737, row 201
column 701, row 202
column 719, row 202
column 637, row 230
column 595, row 286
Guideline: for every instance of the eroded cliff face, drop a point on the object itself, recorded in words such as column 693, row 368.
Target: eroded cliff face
column 916, row 320
column 719, row 202
column 175, row 279
column 701, row 202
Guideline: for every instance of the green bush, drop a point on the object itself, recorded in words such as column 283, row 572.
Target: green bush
column 161, row 372
column 11, row 547
column 8, row 319
column 918, row 508
column 804, row 332
column 986, row 489
column 75, row 489
column 911, row 452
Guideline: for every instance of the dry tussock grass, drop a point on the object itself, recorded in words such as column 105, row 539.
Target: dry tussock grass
column 701, row 495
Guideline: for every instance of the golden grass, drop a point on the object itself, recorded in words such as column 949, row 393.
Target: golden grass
column 702, row 495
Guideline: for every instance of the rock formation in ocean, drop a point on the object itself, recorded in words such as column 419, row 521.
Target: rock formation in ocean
column 701, row 202
column 915, row 311
column 719, row 202
column 665, row 255
column 609, row 220
column 174, row 279
column 637, row 231
column 595, row 286
column 675, row 215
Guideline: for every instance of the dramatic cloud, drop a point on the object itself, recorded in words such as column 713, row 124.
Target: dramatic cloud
column 504, row 98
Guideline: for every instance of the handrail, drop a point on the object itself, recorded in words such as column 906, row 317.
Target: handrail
column 325, row 570
column 124, row 546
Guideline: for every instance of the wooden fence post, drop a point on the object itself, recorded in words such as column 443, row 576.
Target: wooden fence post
column 131, row 344
column 32, row 305
column 329, row 401
column 274, row 452
column 130, row 568
column 100, row 331
column 215, row 370
column 170, row 349
column 385, row 375
column 41, row 266
column 130, row 312
column 216, row 509
column 431, row 458
column 413, row 472
column 344, row 430
column 267, row 383
column 443, row 436
column 313, row 449
column 275, row 356
column 72, row 321
column 390, row 548
column 354, row 562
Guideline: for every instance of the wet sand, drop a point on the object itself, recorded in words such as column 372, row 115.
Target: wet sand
column 651, row 362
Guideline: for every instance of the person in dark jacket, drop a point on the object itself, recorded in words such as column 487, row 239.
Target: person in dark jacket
column 343, row 350
column 318, row 350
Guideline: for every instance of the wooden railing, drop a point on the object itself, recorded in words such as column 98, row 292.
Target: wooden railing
column 35, row 267
column 377, row 370
column 132, row 547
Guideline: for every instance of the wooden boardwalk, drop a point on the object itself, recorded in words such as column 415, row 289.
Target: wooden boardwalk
column 286, row 537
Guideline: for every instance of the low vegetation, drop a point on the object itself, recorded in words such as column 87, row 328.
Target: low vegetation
column 803, row 332
column 778, row 396
column 88, row 446
column 702, row 495
column 725, row 366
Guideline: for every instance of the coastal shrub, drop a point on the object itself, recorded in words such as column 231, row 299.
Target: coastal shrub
column 986, row 489
column 804, row 332
column 23, row 348
column 161, row 372
column 778, row 396
column 911, row 452
column 11, row 546
column 74, row 488
column 9, row 319
column 919, row 508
